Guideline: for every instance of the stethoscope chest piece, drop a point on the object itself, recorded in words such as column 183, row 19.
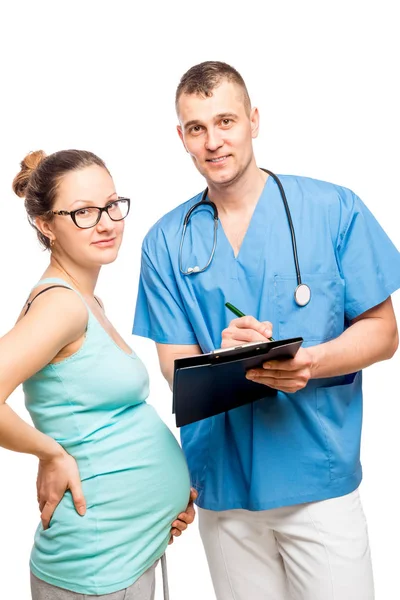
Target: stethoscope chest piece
column 302, row 294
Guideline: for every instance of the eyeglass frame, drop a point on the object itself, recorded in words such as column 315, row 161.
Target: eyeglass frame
column 101, row 209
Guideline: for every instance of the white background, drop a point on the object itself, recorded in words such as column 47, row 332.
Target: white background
column 101, row 76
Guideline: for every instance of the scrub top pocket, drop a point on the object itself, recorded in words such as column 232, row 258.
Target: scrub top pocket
column 322, row 319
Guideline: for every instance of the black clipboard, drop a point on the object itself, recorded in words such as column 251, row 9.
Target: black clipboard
column 209, row 384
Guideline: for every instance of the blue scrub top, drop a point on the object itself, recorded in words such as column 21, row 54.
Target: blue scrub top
column 291, row 448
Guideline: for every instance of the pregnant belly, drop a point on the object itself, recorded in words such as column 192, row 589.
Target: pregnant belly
column 136, row 490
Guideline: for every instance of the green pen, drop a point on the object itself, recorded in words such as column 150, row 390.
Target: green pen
column 239, row 313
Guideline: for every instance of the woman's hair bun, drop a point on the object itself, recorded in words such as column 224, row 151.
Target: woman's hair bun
column 28, row 166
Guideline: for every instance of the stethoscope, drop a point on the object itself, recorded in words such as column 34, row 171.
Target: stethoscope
column 302, row 293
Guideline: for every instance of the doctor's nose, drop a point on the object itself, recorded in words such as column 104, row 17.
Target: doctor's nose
column 213, row 141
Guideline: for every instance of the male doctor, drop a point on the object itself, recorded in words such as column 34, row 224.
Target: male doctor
column 279, row 509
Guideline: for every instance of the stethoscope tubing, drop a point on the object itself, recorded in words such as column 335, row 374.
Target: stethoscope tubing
column 301, row 288
column 289, row 218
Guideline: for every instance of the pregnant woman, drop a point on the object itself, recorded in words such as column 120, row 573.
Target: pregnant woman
column 112, row 477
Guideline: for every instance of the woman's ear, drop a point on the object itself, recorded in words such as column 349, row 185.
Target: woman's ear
column 45, row 228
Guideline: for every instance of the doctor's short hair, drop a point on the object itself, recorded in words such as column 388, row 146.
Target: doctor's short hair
column 203, row 78
column 39, row 177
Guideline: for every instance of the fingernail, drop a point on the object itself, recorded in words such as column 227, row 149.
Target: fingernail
column 268, row 333
column 266, row 366
column 81, row 510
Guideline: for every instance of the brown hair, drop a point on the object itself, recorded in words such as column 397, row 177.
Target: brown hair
column 40, row 176
column 203, row 78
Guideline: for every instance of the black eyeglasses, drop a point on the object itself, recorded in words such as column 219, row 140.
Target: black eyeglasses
column 89, row 216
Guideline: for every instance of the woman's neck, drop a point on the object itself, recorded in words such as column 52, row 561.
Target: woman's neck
column 82, row 278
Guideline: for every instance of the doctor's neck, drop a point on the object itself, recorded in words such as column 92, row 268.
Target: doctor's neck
column 240, row 193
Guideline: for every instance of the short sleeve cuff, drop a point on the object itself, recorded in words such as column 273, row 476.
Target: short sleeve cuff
column 355, row 309
column 182, row 338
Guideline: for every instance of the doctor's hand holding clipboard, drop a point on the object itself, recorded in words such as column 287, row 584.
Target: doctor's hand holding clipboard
column 286, row 375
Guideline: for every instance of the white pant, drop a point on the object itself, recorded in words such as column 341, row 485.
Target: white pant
column 313, row 551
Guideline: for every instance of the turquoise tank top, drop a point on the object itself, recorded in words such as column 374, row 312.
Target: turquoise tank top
column 134, row 475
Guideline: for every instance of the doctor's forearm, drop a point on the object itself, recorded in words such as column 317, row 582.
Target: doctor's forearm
column 167, row 353
column 364, row 343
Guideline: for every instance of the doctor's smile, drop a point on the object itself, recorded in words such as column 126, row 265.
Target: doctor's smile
column 219, row 160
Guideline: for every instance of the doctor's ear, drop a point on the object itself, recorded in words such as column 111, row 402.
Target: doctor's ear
column 180, row 133
column 254, row 122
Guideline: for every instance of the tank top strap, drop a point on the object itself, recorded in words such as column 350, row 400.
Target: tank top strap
column 58, row 281
column 96, row 330
column 50, row 281
column 61, row 282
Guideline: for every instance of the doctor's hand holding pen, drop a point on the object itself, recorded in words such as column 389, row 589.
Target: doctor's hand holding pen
column 245, row 329
column 288, row 375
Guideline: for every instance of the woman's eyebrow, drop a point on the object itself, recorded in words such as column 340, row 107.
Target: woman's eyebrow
column 92, row 202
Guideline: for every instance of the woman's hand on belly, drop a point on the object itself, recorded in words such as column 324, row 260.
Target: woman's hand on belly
column 55, row 476
column 184, row 518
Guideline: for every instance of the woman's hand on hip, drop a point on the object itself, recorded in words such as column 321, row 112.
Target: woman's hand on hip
column 55, row 476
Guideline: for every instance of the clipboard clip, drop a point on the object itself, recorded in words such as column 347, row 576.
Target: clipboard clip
column 219, row 351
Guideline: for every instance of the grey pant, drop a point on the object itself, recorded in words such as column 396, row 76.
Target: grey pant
column 142, row 589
